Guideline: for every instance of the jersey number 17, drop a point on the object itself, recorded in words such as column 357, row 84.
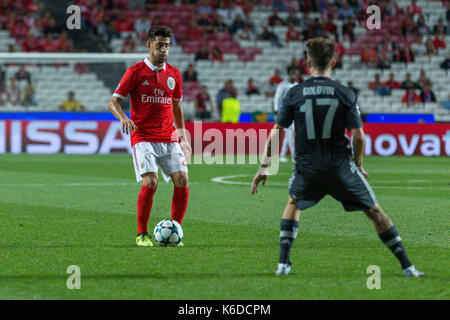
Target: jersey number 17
column 307, row 108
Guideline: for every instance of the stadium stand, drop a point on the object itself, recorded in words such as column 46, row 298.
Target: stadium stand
column 218, row 23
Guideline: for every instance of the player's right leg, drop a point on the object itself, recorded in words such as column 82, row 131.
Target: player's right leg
column 288, row 233
column 144, row 207
column 146, row 170
column 390, row 237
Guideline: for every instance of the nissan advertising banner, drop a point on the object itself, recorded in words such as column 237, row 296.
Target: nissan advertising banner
column 104, row 137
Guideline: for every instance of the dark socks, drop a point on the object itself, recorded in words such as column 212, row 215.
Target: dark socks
column 393, row 241
column 288, row 233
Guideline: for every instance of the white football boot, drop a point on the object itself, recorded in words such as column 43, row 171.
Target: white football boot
column 412, row 272
column 283, row 269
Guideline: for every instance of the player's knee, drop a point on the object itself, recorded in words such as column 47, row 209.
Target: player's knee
column 149, row 181
column 291, row 202
column 376, row 214
column 181, row 181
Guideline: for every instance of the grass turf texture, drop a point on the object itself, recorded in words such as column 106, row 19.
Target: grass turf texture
column 60, row 210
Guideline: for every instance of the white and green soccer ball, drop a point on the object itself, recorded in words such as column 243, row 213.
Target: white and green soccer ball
column 168, row 233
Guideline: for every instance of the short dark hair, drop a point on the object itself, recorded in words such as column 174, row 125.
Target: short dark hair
column 160, row 31
column 321, row 52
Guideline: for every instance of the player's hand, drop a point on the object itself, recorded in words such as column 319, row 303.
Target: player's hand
column 186, row 147
column 127, row 125
column 259, row 177
column 364, row 172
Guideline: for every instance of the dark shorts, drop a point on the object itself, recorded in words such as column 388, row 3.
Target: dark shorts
column 344, row 182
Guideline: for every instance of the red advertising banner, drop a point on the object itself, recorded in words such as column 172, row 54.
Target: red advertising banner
column 104, row 137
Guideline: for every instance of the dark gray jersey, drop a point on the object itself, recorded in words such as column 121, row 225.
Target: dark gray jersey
column 322, row 109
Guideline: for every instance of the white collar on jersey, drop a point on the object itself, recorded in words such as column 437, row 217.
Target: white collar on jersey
column 152, row 66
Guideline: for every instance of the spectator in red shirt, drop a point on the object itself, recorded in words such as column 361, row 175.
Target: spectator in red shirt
column 201, row 104
column 20, row 31
column 339, row 48
column 329, row 26
column 369, row 56
column 193, row 32
column 410, row 98
column 303, row 64
column 63, row 43
column 31, row 44
column 48, row 44
column 413, row 8
column 128, row 45
column 216, row 54
column 123, row 24
column 292, row 33
column 276, row 77
column 392, row 83
column 439, row 41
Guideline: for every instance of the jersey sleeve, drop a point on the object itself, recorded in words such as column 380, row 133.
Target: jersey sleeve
column 286, row 112
column 125, row 85
column 178, row 92
column 353, row 120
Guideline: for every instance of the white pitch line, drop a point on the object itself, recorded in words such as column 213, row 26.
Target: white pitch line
column 225, row 180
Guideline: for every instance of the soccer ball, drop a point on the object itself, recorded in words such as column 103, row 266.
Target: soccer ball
column 168, row 233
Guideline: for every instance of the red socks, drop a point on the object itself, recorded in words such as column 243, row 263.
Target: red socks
column 145, row 200
column 144, row 206
column 180, row 201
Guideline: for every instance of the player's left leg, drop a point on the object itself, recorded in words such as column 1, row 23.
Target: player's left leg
column 180, row 197
column 288, row 233
column 390, row 237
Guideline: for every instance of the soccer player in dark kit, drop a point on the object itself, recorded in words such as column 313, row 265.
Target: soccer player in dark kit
column 321, row 110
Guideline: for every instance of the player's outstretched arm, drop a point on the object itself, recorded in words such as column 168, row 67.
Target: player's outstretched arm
column 262, row 173
column 115, row 108
column 178, row 118
column 358, row 149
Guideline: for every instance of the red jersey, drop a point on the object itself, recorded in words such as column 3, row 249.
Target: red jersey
column 151, row 91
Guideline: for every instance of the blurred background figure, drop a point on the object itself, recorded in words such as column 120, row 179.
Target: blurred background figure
column 231, row 109
column 289, row 133
column 71, row 104
column 203, row 104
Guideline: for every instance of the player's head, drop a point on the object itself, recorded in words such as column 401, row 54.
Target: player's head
column 158, row 43
column 320, row 53
column 292, row 75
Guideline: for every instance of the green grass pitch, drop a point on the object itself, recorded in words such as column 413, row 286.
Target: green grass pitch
column 60, row 210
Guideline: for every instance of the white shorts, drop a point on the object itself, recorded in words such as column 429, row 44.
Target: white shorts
column 148, row 156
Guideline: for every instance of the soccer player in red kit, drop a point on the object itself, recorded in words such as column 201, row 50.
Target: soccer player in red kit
column 157, row 128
